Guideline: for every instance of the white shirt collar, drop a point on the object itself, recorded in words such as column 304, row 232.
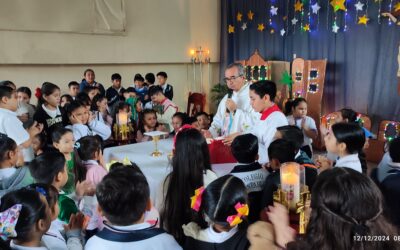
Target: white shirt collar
column 7, row 111
column 52, row 113
column 139, row 226
column 219, row 237
column 6, row 173
column 90, row 162
column 17, row 247
column 298, row 154
column 164, row 86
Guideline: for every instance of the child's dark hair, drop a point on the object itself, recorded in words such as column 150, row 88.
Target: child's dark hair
column 119, row 165
column 281, row 150
column 123, row 195
column 46, row 166
column 88, row 70
column 351, row 134
column 181, row 116
column 50, row 192
column 25, row 90
column 130, row 90
column 189, row 120
column 163, row 74
column 292, row 104
column 202, row 113
column 219, row 200
column 97, row 98
column 83, row 98
column 85, row 149
column 88, row 89
column 116, row 76
column 346, row 203
column 245, row 148
column 6, row 145
column 33, row 209
column 42, row 138
column 6, row 91
column 138, row 77
column 153, row 90
column 69, row 98
column 59, row 133
column 73, row 83
column 8, row 83
column 394, row 150
column 142, row 116
column 71, row 107
column 150, row 78
column 187, row 175
column 47, row 89
column 348, row 114
column 293, row 134
column 264, row 87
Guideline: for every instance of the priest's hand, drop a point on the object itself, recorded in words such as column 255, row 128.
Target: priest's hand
column 229, row 139
column 231, row 105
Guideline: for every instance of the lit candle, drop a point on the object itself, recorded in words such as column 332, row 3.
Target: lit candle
column 122, row 118
column 290, row 182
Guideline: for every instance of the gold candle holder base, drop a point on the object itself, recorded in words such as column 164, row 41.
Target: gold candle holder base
column 156, row 154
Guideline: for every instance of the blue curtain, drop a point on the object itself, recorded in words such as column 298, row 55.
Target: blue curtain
column 362, row 61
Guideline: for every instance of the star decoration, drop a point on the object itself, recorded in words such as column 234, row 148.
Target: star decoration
column 272, row 31
column 363, row 20
column 359, row 6
column 239, row 17
column 298, row 6
column 306, row 27
column 294, row 21
column 315, row 8
column 274, row 11
column 231, row 29
column 261, row 27
column 283, row 31
column 244, row 26
column 397, row 7
column 250, row 15
column 338, row 5
column 335, row 28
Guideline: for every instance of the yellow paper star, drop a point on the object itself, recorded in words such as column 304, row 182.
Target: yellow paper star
column 261, row 27
column 231, row 29
column 250, row 15
column 338, row 5
column 363, row 20
column 397, row 7
column 306, row 27
column 298, row 6
column 239, row 17
column 272, row 31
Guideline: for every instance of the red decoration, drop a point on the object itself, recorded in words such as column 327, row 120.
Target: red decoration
column 220, row 153
column 38, row 93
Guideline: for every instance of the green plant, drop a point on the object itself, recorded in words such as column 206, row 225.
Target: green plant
column 218, row 92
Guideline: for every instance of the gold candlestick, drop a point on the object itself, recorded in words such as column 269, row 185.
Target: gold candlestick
column 156, row 153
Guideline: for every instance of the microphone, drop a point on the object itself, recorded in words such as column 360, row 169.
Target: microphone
column 230, row 93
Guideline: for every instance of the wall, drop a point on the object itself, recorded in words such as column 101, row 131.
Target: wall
column 158, row 37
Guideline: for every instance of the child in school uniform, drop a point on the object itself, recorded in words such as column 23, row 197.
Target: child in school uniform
column 167, row 107
column 300, row 119
column 222, row 208
column 124, row 210
column 11, row 178
column 245, row 150
column 48, row 112
column 84, row 124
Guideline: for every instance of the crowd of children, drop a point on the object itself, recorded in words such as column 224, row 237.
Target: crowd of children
column 57, row 193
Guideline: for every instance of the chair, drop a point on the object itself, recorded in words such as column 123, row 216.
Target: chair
column 196, row 103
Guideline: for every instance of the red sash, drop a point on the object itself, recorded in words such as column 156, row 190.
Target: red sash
column 269, row 111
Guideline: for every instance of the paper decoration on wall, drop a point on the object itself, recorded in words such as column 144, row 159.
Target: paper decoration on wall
column 306, row 27
column 298, row 6
column 250, row 15
column 283, row 31
column 338, row 5
column 397, row 7
column 231, row 29
column 261, row 27
column 335, row 28
column 244, row 26
column 294, row 21
column 274, row 11
column 359, row 6
column 363, row 20
column 315, row 8
column 239, row 17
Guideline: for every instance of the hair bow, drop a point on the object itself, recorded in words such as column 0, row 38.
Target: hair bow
column 242, row 210
column 125, row 162
column 38, row 93
column 196, row 199
column 184, row 127
column 8, row 221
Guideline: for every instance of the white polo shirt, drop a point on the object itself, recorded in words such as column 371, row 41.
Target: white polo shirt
column 12, row 126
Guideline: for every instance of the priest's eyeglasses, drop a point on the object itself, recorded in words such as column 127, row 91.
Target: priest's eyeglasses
column 228, row 79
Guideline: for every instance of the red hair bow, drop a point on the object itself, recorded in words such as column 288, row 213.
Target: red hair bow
column 38, row 93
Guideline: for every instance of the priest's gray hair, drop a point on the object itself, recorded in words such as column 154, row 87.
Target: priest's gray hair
column 239, row 66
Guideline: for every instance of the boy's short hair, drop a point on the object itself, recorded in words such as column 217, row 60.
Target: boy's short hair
column 138, row 77
column 46, row 166
column 245, row 148
column 163, row 74
column 83, row 98
column 202, row 113
column 6, row 91
column 281, row 150
column 7, row 83
column 116, row 76
column 264, row 87
column 394, row 150
column 150, row 78
column 73, row 83
column 153, row 90
column 87, row 89
column 292, row 134
column 123, row 195
column 130, row 90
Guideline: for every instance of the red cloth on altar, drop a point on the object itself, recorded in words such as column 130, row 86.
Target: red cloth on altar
column 220, row 153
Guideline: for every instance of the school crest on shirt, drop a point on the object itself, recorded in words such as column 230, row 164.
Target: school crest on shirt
column 50, row 122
